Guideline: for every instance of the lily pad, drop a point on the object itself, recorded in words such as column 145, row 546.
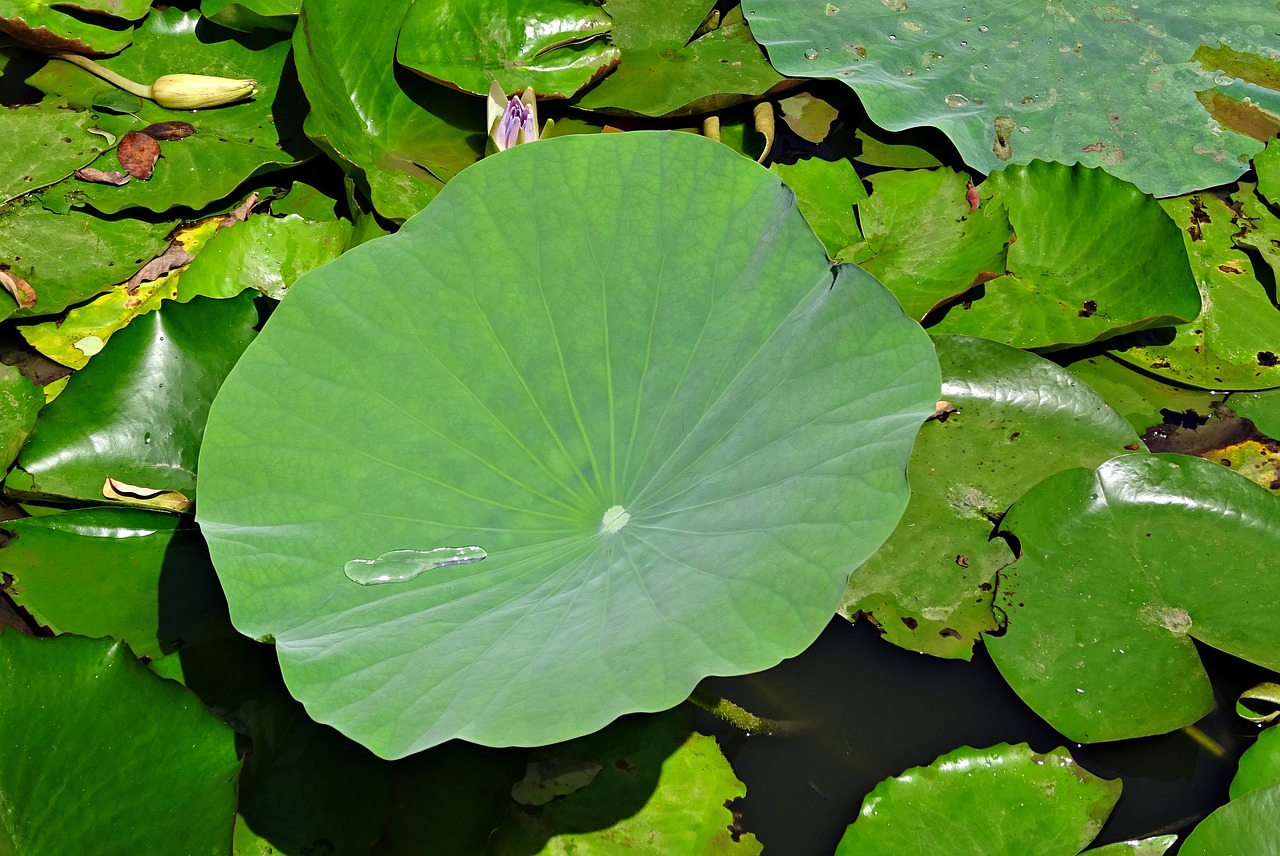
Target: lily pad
column 658, row 469
column 140, row 576
column 151, row 770
column 231, row 143
column 924, row 240
column 1120, row 568
column 826, row 192
column 1154, row 846
column 250, row 15
column 1109, row 86
column 59, row 26
column 468, row 44
column 1094, row 258
column 665, row 70
column 1244, row 825
column 20, row 402
column 44, row 143
column 1018, row 419
column 136, row 412
column 1263, row 408
column 1045, row 804
column 1235, row 344
column 1142, row 399
column 1259, row 765
column 659, row 788
column 405, row 137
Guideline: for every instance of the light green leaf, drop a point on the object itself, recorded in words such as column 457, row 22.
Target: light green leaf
column 45, row 143
column 605, row 399
column 58, row 26
column 826, row 192
column 1244, row 825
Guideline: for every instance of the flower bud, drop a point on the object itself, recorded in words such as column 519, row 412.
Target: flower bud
column 193, row 91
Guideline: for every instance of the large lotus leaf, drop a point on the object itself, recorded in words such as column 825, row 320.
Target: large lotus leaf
column 1002, row 801
column 1120, row 568
column 1019, row 418
column 140, row 576
column 231, row 143
column 1244, row 825
column 670, row 431
column 555, row 46
column 1259, row 765
column 663, row 72
column 1235, row 343
column 405, row 135
column 826, row 192
column 264, row 252
column 1102, row 85
column 1140, row 398
column 64, row 26
column 68, row 258
column 923, row 240
column 44, row 143
column 250, row 15
column 103, row 757
column 655, row 786
column 1094, row 258
column 136, row 413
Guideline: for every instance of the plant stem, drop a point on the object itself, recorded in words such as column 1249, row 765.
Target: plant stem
column 738, row 716
column 106, row 74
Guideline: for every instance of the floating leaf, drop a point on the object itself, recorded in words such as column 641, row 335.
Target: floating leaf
column 162, row 766
column 1120, row 568
column 250, row 15
column 138, row 153
column 1017, row 419
column 144, row 497
column 44, row 143
column 58, row 26
column 1031, row 803
column 826, row 192
column 1259, row 765
column 1142, row 399
column 1244, row 825
column 1102, row 85
column 1263, row 408
column 554, row 777
column 509, row 393
column 1094, row 258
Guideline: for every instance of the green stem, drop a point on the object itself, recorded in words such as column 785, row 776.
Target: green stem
column 106, row 74
column 737, row 716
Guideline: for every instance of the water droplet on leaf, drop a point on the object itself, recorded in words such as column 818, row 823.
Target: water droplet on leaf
column 402, row 566
column 614, row 519
column 811, row 54
column 956, row 100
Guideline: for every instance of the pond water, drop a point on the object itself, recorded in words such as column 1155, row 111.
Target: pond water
column 868, row 710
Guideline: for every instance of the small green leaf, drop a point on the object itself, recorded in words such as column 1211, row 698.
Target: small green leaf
column 1259, row 765
column 826, row 192
column 44, row 143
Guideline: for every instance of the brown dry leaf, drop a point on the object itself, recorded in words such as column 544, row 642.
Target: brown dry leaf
column 174, row 257
column 169, row 130
column 99, row 176
column 241, row 212
column 147, row 497
column 19, row 288
column 763, row 113
column 138, row 154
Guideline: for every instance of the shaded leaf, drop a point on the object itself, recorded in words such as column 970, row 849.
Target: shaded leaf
column 1244, row 825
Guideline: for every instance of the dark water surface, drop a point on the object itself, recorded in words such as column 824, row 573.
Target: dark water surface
column 868, row 710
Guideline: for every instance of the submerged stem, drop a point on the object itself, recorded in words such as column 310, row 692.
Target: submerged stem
column 106, row 74
column 738, row 716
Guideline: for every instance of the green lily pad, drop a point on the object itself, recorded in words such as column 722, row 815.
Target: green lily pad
column 1094, row 258
column 1263, row 408
column 659, row 788
column 1120, row 568
column 1045, row 804
column 404, row 136
column 250, row 15
column 1100, row 85
column 140, row 576
column 1140, row 398
column 1267, row 165
column 60, row 26
column 1259, row 765
column 44, row 143
column 1019, row 418
column 20, row 402
column 916, row 148
column 136, row 413
column 151, row 770
column 1244, row 825
column 69, row 258
column 1142, row 847
column 1235, row 344
column 826, row 192
column 662, row 72
column 670, row 467
column 264, row 252
column 468, row 44
column 231, row 143
column 923, row 241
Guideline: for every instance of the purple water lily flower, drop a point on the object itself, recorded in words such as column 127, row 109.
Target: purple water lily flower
column 512, row 122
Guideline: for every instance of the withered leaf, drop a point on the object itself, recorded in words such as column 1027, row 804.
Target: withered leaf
column 19, row 288
column 148, row 497
column 138, row 153
column 99, row 176
column 241, row 212
column 174, row 257
column 169, row 130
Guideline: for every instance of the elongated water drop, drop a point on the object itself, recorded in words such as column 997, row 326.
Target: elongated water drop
column 402, row 566
column 956, row 100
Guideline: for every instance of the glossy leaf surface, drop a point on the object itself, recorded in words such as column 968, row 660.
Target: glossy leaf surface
column 1030, row 803
column 1120, row 568
column 642, row 439
column 1259, row 765
column 1100, row 85
column 1019, row 418
column 87, row 26
column 250, row 15
column 152, row 770
column 1244, row 825
column 46, row 143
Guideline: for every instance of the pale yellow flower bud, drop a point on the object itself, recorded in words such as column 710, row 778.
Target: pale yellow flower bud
column 193, row 91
